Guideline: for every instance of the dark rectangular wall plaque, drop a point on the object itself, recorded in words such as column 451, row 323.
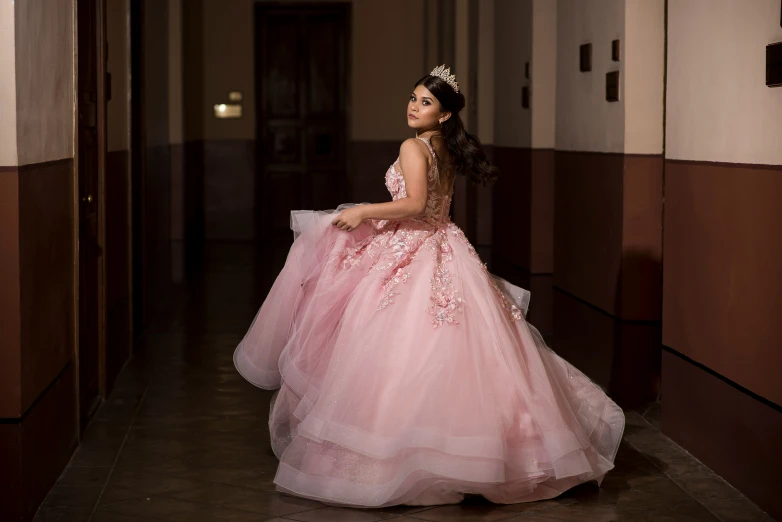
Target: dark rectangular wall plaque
column 612, row 86
column 525, row 97
column 774, row 65
column 585, row 57
column 615, row 54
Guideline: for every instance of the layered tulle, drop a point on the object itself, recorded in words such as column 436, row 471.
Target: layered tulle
column 407, row 374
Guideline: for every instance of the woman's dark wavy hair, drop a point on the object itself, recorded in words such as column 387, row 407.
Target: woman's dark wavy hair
column 467, row 155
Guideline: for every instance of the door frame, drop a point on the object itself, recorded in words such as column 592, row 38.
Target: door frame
column 100, row 49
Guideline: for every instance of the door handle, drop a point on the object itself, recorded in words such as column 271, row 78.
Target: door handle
column 87, row 199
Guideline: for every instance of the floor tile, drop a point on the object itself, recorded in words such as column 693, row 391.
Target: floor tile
column 466, row 513
column 110, row 516
column 155, row 507
column 63, row 514
column 332, row 514
column 736, row 510
column 73, row 496
column 687, row 510
column 84, row 476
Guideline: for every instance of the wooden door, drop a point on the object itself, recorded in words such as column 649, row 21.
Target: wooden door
column 301, row 93
column 89, row 157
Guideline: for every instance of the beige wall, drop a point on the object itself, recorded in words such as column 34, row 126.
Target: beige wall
column 117, row 33
column 486, row 81
column 718, row 107
column 543, row 73
column 432, row 58
column 175, row 94
column 513, row 46
column 644, row 58
column 585, row 121
column 387, row 44
column 461, row 64
column 228, row 65
column 8, row 155
column 525, row 31
column 156, row 73
column 44, row 80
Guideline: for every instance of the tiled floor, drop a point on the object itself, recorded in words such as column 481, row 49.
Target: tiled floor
column 183, row 438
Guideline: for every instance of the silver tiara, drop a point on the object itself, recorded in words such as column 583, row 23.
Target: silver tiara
column 441, row 72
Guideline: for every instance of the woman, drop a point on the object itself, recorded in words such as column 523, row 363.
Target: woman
column 407, row 373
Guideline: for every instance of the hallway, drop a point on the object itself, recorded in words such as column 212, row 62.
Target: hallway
column 184, row 438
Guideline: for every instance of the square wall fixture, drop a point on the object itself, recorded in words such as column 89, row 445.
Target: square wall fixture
column 585, row 58
column 774, row 65
column 612, row 86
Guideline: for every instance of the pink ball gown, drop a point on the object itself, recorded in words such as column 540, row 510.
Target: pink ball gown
column 407, row 373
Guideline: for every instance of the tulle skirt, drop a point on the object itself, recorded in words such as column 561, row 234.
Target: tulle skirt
column 407, row 374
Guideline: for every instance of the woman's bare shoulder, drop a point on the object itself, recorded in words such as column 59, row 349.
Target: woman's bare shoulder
column 413, row 147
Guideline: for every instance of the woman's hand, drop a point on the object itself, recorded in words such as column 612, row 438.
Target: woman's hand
column 350, row 219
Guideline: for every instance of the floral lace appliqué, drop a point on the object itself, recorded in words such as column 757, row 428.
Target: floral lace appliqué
column 513, row 311
column 394, row 245
column 401, row 275
column 446, row 302
column 400, row 250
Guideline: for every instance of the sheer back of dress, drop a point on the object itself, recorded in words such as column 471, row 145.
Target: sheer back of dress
column 438, row 202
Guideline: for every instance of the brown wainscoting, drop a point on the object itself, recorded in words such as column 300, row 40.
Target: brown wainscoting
column 512, row 210
column 35, row 450
column 177, row 212
column 642, row 221
column 46, row 253
column 588, row 227
column 523, row 210
column 608, row 241
column 621, row 356
column 732, row 431
column 607, row 269
column 369, row 161
column 484, row 207
column 229, row 189
column 38, row 420
column 522, row 223
column 194, row 209
column 10, row 313
column 542, row 211
column 723, row 270
column 156, row 253
column 117, row 252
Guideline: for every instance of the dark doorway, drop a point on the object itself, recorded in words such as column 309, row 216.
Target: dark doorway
column 301, row 71
column 91, row 106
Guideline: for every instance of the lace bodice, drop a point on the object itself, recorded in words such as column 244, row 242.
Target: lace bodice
column 394, row 245
column 437, row 204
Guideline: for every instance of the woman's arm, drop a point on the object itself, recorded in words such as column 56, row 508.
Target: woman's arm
column 414, row 160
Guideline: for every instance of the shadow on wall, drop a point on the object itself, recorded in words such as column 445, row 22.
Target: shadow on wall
column 635, row 376
column 621, row 355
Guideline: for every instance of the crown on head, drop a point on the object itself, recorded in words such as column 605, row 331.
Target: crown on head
column 441, row 72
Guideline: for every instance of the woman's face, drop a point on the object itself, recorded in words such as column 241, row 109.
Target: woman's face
column 424, row 111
